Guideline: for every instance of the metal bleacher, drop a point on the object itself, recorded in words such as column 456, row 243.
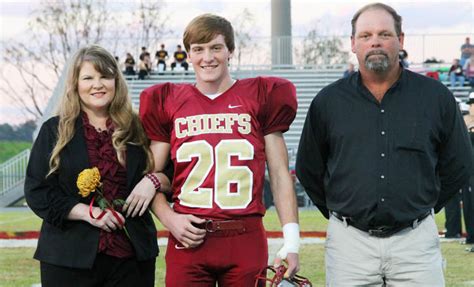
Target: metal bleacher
column 308, row 81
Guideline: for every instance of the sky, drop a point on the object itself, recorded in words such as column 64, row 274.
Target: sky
column 434, row 28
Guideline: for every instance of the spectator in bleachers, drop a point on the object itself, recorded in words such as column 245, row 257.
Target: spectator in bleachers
column 120, row 65
column 161, row 55
column 467, row 50
column 148, row 63
column 129, row 65
column 144, row 52
column 456, row 74
column 469, row 70
column 180, row 57
column 350, row 70
column 403, row 56
column 142, row 67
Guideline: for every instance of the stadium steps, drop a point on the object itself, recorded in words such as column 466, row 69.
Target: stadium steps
column 13, row 194
column 308, row 83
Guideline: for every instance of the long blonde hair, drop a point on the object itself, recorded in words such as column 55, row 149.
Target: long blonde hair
column 128, row 128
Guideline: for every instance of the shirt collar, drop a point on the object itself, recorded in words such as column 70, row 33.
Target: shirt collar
column 356, row 80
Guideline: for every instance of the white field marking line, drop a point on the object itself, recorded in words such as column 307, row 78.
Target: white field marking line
column 272, row 242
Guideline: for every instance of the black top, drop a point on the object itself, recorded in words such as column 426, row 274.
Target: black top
column 456, row 69
column 161, row 54
column 383, row 163
column 180, row 56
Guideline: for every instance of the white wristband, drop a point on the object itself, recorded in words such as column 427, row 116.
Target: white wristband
column 291, row 238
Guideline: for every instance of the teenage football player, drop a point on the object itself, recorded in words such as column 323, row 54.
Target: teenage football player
column 220, row 133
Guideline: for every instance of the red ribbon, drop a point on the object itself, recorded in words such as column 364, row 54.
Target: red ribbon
column 91, row 205
column 114, row 213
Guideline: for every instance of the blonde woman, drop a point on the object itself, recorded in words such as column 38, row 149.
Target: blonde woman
column 80, row 244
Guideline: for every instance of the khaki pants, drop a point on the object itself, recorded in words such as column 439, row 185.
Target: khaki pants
column 411, row 257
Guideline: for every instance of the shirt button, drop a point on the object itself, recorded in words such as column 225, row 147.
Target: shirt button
column 382, row 155
column 382, row 176
column 382, row 199
column 382, row 111
column 382, row 133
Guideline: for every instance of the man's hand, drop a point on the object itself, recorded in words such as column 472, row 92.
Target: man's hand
column 293, row 262
column 140, row 197
column 182, row 228
column 292, row 259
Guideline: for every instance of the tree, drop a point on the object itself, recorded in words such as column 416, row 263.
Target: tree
column 151, row 22
column 323, row 50
column 244, row 24
column 23, row 132
column 56, row 30
column 7, row 132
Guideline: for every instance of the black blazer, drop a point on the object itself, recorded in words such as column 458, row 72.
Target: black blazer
column 75, row 243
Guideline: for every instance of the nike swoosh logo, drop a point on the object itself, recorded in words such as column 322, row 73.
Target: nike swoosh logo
column 233, row 107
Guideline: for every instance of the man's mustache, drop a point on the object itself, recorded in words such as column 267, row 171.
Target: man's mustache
column 376, row 52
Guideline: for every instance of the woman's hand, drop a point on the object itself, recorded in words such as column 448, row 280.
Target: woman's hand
column 109, row 221
column 140, row 197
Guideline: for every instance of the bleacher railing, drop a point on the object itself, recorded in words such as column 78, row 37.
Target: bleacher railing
column 13, row 171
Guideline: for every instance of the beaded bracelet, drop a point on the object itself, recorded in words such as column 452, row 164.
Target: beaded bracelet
column 154, row 179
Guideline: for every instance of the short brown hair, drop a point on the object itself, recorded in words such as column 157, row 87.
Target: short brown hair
column 397, row 19
column 206, row 27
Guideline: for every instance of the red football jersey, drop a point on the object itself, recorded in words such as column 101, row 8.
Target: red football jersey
column 218, row 146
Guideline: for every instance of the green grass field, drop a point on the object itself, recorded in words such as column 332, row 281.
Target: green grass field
column 10, row 148
column 19, row 269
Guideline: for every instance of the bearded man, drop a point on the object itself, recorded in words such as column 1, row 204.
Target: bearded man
column 380, row 152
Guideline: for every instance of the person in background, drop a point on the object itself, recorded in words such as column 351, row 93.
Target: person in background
column 465, row 195
column 456, row 74
column 129, row 65
column 144, row 52
column 143, row 67
column 161, row 55
column 180, row 57
column 403, row 56
column 81, row 244
column 467, row 50
column 350, row 70
column 469, row 70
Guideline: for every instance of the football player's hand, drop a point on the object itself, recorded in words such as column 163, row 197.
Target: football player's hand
column 185, row 232
column 139, row 199
column 293, row 262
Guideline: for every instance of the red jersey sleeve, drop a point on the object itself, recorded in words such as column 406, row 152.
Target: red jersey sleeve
column 279, row 107
column 153, row 115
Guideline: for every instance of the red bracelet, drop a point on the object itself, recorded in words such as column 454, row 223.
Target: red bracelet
column 154, row 179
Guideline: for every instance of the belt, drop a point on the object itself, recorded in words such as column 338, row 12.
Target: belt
column 215, row 227
column 383, row 230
